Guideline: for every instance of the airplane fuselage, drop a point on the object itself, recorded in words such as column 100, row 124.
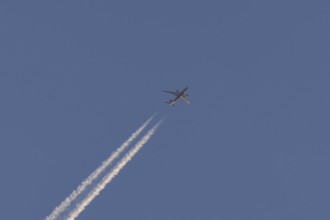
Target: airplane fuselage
column 178, row 94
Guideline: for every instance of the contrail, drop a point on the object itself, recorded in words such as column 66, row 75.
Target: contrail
column 120, row 165
column 82, row 187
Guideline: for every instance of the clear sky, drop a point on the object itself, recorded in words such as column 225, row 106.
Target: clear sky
column 78, row 77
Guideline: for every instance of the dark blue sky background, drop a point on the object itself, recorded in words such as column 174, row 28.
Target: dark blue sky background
column 78, row 77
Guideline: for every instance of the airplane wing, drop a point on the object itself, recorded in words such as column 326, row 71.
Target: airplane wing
column 171, row 92
column 185, row 99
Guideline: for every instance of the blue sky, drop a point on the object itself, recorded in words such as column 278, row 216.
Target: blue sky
column 78, row 77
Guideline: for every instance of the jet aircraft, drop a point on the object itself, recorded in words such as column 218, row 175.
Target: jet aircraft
column 178, row 95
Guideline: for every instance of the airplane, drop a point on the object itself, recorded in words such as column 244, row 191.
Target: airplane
column 178, row 95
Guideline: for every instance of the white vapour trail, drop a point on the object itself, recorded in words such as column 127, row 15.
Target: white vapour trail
column 82, row 187
column 106, row 179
